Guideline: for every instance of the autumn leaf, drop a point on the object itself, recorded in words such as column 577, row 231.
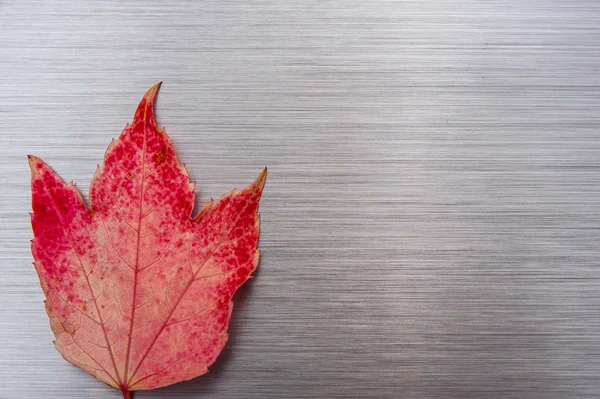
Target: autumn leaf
column 138, row 291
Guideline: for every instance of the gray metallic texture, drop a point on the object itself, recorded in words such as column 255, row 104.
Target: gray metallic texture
column 431, row 221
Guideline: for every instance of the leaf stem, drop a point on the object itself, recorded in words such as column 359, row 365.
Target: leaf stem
column 127, row 394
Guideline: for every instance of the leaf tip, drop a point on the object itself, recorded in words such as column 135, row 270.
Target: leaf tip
column 261, row 179
column 151, row 93
column 34, row 163
column 145, row 109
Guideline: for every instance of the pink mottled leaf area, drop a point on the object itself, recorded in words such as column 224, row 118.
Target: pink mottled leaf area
column 139, row 291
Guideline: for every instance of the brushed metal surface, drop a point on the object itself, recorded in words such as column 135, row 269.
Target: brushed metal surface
column 431, row 220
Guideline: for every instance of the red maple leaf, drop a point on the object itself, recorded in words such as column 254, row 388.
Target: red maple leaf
column 138, row 292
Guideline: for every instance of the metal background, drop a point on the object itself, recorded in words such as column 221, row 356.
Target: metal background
column 431, row 219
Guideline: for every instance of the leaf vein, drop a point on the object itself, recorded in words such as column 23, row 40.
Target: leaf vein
column 191, row 281
column 85, row 275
